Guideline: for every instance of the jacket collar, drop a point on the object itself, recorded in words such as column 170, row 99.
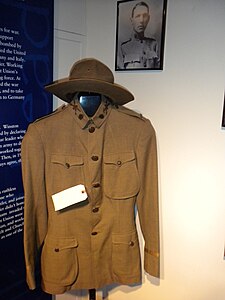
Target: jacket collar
column 84, row 121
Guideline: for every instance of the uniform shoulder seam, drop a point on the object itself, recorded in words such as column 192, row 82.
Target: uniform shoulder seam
column 56, row 111
column 130, row 112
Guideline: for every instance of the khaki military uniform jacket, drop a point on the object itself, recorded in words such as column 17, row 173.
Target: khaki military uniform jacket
column 140, row 53
column 92, row 243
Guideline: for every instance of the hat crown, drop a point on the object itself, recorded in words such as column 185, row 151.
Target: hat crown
column 92, row 69
column 92, row 76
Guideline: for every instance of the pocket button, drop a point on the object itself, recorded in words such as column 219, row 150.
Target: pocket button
column 119, row 162
column 95, row 210
column 131, row 243
column 96, row 185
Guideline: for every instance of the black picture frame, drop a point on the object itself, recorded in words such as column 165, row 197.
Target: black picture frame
column 133, row 53
column 223, row 120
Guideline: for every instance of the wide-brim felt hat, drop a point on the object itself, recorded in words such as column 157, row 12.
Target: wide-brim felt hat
column 90, row 75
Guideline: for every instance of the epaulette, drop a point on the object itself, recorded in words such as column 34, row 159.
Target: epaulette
column 123, row 43
column 56, row 111
column 130, row 112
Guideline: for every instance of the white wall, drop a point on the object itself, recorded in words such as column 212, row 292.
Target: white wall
column 184, row 103
column 69, row 37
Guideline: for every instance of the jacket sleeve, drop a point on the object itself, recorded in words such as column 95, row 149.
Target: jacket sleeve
column 35, row 211
column 147, row 200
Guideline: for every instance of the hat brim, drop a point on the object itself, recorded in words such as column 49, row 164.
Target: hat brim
column 64, row 88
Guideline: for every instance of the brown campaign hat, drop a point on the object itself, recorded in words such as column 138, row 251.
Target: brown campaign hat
column 90, row 75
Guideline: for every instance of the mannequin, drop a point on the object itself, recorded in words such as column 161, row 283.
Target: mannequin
column 89, row 102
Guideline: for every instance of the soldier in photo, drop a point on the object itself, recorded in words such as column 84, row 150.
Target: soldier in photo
column 139, row 51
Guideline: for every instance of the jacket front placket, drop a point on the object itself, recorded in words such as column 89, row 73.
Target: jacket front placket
column 92, row 135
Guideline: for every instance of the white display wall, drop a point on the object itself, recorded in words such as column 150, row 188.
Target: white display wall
column 184, row 103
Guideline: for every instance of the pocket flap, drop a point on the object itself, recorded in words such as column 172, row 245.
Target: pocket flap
column 59, row 244
column 127, row 239
column 67, row 160
column 119, row 158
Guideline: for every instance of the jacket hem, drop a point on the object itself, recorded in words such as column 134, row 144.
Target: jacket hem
column 55, row 289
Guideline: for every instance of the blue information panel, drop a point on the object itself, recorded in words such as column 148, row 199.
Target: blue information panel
column 26, row 60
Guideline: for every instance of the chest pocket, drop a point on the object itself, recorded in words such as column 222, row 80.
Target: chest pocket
column 121, row 178
column 66, row 171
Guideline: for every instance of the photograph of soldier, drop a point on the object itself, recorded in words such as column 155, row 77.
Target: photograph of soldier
column 140, row 34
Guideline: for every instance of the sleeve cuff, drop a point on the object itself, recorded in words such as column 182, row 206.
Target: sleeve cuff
column 30, row 278
column 152, row 262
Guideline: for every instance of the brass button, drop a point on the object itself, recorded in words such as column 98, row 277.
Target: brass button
column 67, row 165
column 96, row 185
column 91, row 129
column 94, row 233
column 56, row 249
column 101, row 116
column 80, row 116
column 131, row 243
column 95, row 210
column 119, row 162
column 94, row 158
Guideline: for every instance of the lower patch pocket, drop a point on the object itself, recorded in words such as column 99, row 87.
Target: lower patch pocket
column 59, row 263
column 126, row 254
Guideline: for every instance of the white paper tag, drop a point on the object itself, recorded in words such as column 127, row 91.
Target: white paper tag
column 69, row 197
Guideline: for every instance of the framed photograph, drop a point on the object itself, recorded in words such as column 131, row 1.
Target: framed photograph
column 140, row 35
column 223, row 120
